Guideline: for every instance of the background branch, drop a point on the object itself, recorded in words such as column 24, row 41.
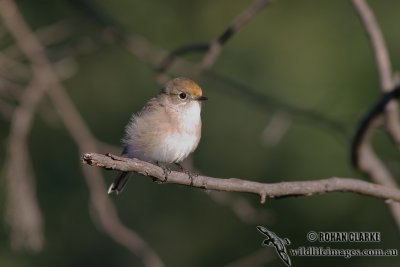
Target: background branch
column 240, row 21
column 363, row 156
column 213, row 48
column 46, row 78
column 377, row 41
column 22, row 211
column 382, row 61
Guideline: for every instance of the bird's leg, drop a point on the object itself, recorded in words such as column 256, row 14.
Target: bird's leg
column 189, row 173
column 165, row 169
column 180, row 166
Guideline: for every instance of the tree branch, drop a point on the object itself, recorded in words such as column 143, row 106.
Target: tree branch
column 23, row 214
column 22, row 211
column 272, row 190
column 363, row 156
column 371, row 121
column 382, row 61
column 377, row 41
column 215, row 46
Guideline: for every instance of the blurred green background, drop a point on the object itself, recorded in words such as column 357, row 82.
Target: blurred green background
column 313, row 55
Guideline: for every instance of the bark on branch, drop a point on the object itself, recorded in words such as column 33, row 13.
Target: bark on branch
column 264, row 190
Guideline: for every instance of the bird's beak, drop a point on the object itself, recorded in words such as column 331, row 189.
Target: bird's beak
column 201, row 98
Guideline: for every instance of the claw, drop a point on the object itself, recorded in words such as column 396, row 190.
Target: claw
column 180, row 166
column 165, row 169
column 191, row 175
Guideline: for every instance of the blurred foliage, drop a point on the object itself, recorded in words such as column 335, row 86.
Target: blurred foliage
column 309, row 54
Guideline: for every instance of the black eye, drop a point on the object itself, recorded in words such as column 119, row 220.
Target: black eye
column 182, row 95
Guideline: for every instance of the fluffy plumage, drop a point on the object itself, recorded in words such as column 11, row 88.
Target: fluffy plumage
column 167, row 129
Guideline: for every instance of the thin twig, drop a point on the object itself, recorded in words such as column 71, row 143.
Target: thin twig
column 372, row 120
column 215, row 46
column 22, row 210
column 378, row 43
column 363, row 155
column 167, row 62
column 383, row 64
column 273, row 190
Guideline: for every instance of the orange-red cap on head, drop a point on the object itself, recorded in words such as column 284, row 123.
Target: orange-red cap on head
column 184, row 85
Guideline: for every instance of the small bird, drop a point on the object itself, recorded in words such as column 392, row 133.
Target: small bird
column 166, row 130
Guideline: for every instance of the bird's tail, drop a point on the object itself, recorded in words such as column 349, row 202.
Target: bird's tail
column 119, row 183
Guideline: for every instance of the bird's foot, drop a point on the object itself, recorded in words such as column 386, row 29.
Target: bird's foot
column 191, row 175
column 165, row 169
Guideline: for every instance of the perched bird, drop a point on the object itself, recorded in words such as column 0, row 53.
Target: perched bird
column 166, row 130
